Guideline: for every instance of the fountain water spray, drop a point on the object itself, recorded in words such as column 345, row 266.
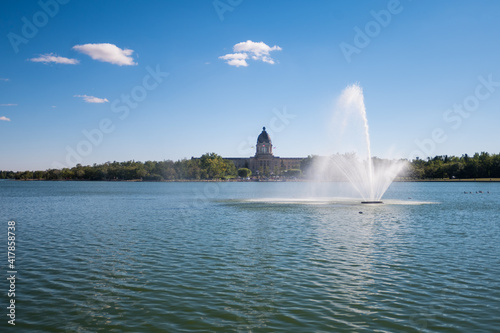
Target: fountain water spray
column 369, row 180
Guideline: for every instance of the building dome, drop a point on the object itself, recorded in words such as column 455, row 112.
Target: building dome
column 263, row 137
column 264, row 145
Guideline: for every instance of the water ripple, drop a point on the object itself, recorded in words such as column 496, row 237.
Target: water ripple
column 125, row 257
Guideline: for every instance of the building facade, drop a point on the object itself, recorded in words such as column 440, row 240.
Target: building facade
column 264, row 162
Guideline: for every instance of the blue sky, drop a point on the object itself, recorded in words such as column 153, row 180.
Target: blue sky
column 429, row 72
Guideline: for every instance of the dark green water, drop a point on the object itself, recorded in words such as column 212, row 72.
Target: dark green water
column 251, row 257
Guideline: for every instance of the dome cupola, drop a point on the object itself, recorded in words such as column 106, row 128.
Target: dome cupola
column 264, row 145
column 263, row 137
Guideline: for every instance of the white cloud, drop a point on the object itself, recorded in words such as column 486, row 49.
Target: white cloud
column 4, row 118
column 92, row 99
column 257, row 51
column 51, row 57
column 107, row 53
column 236, row 59
column 8, row 104
column 4, row 79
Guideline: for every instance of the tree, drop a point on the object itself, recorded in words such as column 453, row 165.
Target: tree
column 231, row 171
column 244, row 172
column 293, row 172
column 306, row 163
column 38, row 175
column 213, row 165
column 140, row 172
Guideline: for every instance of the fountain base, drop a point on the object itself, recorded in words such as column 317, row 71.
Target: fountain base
column 371, row 202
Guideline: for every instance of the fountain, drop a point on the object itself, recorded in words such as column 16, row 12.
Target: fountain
column 369, row 179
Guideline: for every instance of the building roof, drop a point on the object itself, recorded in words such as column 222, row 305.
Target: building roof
column 264, row 137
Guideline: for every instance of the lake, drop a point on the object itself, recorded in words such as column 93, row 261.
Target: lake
column 251, row 257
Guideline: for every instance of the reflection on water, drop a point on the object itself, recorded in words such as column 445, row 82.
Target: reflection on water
column 329, row 201
column 184, row 257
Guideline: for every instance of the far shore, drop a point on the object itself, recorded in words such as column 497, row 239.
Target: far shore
column 478, row 180
column 468, row 180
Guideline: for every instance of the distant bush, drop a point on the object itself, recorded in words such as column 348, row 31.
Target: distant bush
column 244, row 172
column 293, row 173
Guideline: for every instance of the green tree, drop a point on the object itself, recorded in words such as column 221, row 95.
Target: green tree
column 293, row 173
column 244, row 172
column 230, row 171
column 213, row 165
column 39, row 175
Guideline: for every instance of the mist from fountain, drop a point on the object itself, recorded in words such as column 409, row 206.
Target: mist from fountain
column 371, row 180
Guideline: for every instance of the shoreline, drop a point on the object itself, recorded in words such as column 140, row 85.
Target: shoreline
column 437, row 180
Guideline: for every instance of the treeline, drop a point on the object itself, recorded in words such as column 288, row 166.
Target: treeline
column 481, row 165
column 209, row 166
column 213, row 166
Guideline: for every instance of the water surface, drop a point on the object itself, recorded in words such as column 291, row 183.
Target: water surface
column 259, row 257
